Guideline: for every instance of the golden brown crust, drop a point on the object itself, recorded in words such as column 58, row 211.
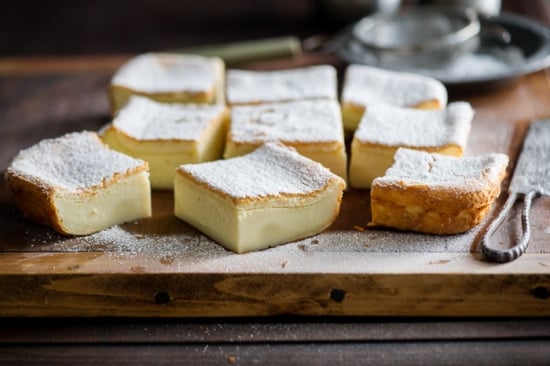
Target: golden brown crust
column 34, row 201
column 425, row 104
column 298, row 145
column 35, row 197
column 446, row 149
column 428, row 104
column 435, row 210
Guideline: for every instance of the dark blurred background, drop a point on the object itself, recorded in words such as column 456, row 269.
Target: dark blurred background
column 59, row 27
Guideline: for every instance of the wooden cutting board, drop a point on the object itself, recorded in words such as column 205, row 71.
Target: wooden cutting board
column 162, row 267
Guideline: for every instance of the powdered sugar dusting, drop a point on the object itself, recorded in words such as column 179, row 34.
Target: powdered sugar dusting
column 301, row 121
column 249, row 87
column 77, row 160
column 124, row 239
column 329, row 252
column 145, row 119
column 270, row 170
column 364, row 85
column 395, row 126
column 419, row 167
column 165, row 72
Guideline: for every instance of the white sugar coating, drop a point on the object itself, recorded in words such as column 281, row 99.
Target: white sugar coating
column 165, row 72
column 268, row 171
column 77, row 160
column 413, row 167
column 396, row 126
column 364, row 85
column 145, row 119
column 301, row 121
column 249, row 87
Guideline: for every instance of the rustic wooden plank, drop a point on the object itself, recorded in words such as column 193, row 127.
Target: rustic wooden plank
column 260, row 294
column 163, row 267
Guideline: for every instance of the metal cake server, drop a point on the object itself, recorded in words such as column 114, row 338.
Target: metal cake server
column 531, row 179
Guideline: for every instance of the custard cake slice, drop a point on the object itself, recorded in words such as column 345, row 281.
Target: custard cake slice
column 256, row 87
column 366, row 85
column 384, row 129
column 270, row 196
column 169, row 78
column 167, row 135
column 434, row 193
column 312, row 127
column 78, row 186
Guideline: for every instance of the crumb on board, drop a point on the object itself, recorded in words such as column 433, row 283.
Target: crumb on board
column 359, row 228
column 441, row 261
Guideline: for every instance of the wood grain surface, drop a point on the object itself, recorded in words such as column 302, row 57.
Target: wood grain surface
column 162, row 267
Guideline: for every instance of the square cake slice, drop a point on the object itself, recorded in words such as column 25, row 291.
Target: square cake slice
column 78, row 186
column 312, row 127
column 384, row 129
column 167, row 135
column 270, row 196
column 365, row 85
column 256, row 87
column 169, row 78
column 434, row 193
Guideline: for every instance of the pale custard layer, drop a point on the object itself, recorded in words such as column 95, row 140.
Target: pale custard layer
column 384, row 129
column 270, row 196
column 169, row 78
column 372, row 161
column 312, row 127
column 365, row 85
column 126, row 200
column 167, row 135
column 78, row 186
column 246, row 230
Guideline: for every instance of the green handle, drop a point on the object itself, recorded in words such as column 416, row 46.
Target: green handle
column 248, row 51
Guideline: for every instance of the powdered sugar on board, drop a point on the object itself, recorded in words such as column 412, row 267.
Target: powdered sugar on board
column 331, row 251
column 74, row 161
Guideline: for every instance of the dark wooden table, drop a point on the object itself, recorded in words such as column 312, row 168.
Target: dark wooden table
column 275, row 341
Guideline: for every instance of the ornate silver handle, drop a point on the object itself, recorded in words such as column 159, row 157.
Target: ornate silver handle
column 507, row 255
